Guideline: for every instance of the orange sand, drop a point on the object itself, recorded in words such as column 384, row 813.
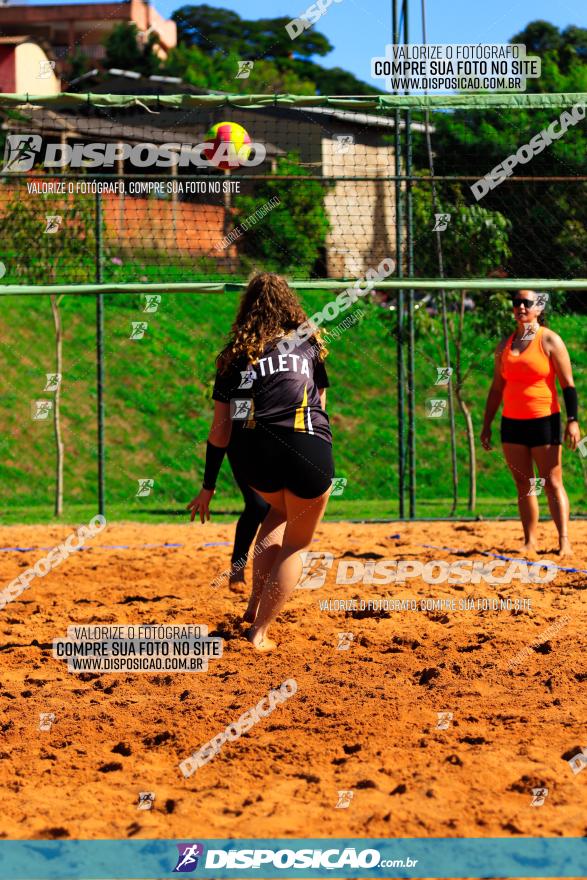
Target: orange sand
column 362, row 719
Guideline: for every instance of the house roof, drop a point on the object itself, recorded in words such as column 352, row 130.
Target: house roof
column 19, row 39
column 13, row 41
column 109, row 129
column 119, row 84
column 364, row 118
column 347, row 116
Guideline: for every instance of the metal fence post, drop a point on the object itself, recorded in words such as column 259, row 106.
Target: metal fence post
column 410, row 273
column 100, row 356
column 400, row 295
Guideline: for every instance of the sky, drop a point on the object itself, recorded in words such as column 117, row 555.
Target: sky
column 360, row 29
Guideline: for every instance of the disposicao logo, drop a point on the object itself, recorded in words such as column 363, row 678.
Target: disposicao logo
column 188, row 858
column 23, row 151
column 20, row 151
column 280, row 859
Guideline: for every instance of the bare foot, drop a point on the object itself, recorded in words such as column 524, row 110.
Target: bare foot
column 565, row 549
column 250, row 613
column 237, row 576
column 260, row 642
column 265, row 645
column 529, row 549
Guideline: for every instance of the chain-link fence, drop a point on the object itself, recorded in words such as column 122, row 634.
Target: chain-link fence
column 114, row 196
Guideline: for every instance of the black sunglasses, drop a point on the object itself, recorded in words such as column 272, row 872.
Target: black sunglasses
column 529, row 303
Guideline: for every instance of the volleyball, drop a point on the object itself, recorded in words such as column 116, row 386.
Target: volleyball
column 219, row 136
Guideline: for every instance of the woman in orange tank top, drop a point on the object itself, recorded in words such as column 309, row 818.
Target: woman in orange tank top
column 527, row 365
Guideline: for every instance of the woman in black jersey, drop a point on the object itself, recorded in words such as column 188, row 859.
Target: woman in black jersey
column 275, row 402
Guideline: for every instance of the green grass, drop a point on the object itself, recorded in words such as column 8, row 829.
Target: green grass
column 227, row 508
column 158, row 412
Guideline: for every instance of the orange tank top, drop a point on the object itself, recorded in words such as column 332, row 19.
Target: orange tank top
column 530, row 381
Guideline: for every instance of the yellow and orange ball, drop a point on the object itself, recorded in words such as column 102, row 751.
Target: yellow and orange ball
column 223, row 134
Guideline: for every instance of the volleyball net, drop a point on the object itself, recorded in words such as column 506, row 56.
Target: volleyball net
column 433, row 208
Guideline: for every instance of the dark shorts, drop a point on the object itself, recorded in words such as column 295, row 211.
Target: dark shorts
column 545, row 431
column 272, row 458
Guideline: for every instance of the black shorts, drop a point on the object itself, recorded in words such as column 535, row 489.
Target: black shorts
column 545, row 431
column 274, row 458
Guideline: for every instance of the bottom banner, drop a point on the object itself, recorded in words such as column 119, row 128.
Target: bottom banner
column 340, row 858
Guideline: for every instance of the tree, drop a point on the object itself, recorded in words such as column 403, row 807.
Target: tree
column 65, row 252
column 330, row 81
column 474, row 245
column 574, row 44
column 126, row 49
column 543, row 215
column 216, row 39
column 563, row 49
column 218, row 31
column 486, row 236
column 79, row 64
column 539, row 37
column 220, row 72
column 291, row 236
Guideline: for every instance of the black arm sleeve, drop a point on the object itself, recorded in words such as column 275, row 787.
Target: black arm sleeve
column 214, row 459
column 571, row 402
column 320, row 375
column 223, row 387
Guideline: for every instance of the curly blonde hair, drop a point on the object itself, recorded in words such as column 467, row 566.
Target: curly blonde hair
column 268, row 310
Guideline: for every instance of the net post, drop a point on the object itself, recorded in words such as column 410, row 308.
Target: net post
column 411, row 337
column 400, row 295
column 410, row 315
column 100, row 355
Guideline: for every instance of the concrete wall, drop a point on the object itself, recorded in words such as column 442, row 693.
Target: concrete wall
column 29, row 58
column 362, row 213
